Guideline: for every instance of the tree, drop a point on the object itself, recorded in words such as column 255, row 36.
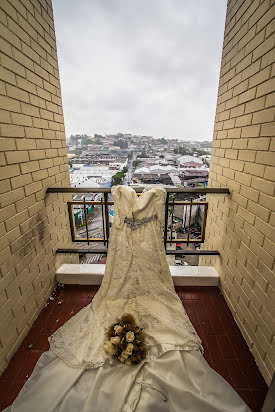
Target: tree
column 117, row 178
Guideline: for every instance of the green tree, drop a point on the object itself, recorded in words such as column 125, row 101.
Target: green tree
column 117, row 178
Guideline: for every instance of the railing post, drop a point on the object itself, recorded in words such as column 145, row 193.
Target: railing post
column 106, row 216
column 166, row 220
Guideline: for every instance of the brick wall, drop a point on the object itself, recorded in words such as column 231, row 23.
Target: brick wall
column 32, row 158
column 241, row 226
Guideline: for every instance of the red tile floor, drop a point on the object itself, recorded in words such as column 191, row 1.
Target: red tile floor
column 225, row 349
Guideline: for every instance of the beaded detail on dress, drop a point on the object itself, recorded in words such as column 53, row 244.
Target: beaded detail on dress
column 135, row 223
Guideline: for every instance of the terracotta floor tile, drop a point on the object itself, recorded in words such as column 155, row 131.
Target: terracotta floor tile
column 224, row 347
column 238, row 378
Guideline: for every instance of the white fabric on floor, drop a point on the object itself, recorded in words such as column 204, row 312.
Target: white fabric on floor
column 176, row 381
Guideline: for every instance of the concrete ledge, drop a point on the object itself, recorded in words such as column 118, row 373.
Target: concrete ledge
column 92, row 274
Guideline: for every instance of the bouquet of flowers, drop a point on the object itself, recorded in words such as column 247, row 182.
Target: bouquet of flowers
column 126, row 341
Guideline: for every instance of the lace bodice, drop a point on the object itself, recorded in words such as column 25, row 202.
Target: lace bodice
column 128, row 204
column 137, row 280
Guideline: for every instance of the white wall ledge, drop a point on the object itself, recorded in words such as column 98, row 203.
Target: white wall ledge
column 92, row 274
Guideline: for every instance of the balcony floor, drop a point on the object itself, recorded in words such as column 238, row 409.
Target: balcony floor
column 225, row 348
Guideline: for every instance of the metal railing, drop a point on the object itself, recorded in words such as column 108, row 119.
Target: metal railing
column 105, row 203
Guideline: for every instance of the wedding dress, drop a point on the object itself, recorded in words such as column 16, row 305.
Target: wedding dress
column 76, row 374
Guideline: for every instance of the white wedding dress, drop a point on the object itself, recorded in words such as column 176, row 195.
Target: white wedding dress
column 77, row 375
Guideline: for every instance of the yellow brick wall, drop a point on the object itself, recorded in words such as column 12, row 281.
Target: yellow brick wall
column 32, row 158
column 241, row 226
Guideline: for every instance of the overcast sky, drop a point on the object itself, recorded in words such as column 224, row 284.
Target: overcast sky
column 147, row 67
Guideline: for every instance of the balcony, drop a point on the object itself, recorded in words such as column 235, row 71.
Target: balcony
column 197, row 286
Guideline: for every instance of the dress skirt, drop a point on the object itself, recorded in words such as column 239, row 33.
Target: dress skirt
column 176, row 381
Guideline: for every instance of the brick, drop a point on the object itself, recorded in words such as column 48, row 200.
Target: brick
column 40, row 123
column 240, row 143
column 10, row 197
column 39, row 175
column 270, row 100
column 252, row 69
column 268, row 129
column 17, row 156
column 7, row 34
column 29, row 167
column 37, row 154
column 266, row 87
column 252, row 258
column 21, row 119
column 248, row 155
column 7, row 76
column 244, row 120
column 5, row 116
column 239, row 199
column 23, row 60
column 46, row 114
column 253, row 233
column 16, row 220
column 261, row 143
column 254, row 105
column 267, row 17
column 4, row 186
column 248, row 95
column 264, row 116
column 26, row 85
column 28, row 51
column 30, row 110
column 250, row 193
column 237, row 165
column 259, row 211
column 33, row 188
column 5, row 47
column 24, row 203
column 9, row 171
column 266, row 158
column 269, row 246
column 12, row 131
column 37, row 101
column 254, row 169
column 231, row 154
column 265, row 228
column 234, row 133
column 267, row 45
column 21, row 180
column 250, row 131
column 9, row 104
column 33, row 133
column 269, row 173
column 263, row 185
column 272, row 219
column 267, row 201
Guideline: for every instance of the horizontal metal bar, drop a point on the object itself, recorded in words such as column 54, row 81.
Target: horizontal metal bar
column 96, row 202
column 168, row 252
column 89, row 202
column 192, row 252
column 184, row 240
column 96, row 251
column 90, row 239
column 214, row 190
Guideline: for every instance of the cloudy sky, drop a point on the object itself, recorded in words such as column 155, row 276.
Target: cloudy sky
column 140, row 66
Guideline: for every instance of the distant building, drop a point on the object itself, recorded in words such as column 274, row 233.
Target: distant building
column 190, row 161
